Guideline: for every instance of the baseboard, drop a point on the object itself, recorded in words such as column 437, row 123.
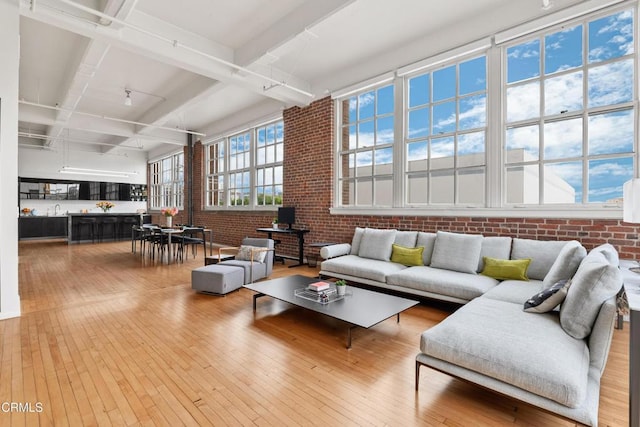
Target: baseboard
column 9, row 315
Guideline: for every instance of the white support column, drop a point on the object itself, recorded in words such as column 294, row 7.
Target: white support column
column 9, row 58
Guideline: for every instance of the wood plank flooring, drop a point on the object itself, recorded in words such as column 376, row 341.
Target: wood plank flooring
column 109, row 338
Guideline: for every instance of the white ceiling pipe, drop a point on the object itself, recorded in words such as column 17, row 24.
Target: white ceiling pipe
column 98, row 116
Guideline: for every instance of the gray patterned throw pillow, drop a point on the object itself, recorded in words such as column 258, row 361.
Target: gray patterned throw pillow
column 548, row 299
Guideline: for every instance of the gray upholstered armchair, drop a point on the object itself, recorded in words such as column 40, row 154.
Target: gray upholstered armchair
column 254, row 255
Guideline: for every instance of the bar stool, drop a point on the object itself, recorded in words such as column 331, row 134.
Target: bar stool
column 126, row 225
column 108, row 222
column 89, row 224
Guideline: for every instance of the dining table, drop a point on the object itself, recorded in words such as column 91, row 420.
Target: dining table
column 171, row 231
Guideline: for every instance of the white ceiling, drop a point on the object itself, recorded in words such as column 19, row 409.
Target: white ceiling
column 203, row 65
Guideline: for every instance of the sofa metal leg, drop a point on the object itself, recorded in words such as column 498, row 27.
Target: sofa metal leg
column 418, row 364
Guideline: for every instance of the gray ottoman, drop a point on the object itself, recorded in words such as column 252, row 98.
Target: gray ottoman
column 217, row 278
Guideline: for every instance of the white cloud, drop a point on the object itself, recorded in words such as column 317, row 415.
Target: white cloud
column 611, row 83
column 523, row 102
column 611, row 133
column 609, row 169
column 563, row 93
column 473, row 112
column 471, row 143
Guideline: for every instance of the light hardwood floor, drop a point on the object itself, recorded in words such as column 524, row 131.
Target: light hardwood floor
column 108, row 338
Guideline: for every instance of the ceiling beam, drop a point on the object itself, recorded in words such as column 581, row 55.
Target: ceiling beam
column 86, row 68
column 287, row 28
column 187, row 50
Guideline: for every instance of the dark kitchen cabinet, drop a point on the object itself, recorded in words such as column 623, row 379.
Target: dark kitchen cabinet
column 42, row 227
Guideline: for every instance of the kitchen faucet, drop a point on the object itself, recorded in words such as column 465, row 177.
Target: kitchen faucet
column 55, row 209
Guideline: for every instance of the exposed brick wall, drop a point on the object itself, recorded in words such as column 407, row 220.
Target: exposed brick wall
column 308, row 185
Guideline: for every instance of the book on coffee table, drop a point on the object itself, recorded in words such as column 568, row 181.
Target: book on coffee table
column 318, row 286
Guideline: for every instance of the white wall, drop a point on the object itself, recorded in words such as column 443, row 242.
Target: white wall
column 40, row 163
column 9, row 58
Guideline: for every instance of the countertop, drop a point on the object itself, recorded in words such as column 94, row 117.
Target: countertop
column 83, row 214
column 105, row 213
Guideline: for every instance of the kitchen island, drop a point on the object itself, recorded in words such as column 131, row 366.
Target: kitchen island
column 103, row 226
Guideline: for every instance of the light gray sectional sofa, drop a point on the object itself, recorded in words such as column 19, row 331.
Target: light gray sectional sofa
column 553, row 360
column 451, row 262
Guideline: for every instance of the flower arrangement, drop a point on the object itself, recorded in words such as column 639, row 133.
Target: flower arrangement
column 105, row 206
column 169, row 211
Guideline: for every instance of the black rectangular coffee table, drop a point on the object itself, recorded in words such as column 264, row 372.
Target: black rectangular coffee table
column 360, row 307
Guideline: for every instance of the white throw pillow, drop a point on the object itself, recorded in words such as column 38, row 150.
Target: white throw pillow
column 457, row 252
column 244, row 253
column 377, row 244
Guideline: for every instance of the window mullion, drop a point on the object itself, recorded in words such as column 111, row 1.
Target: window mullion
column 399, row 157
column 495, row 144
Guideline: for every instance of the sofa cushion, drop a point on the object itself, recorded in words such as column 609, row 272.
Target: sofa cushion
column 595, row 282
column 606, row 250
column 457, row 252
column 542, row 253
column 549, row 298
column 565, row 266
column 407, row 256
column 494, row 247
column 355, row 241
column 512, row 347
column 353, row 265
column 515, row 291
column 427, row 240
column 406, row 238
column 506, row 269
column 376, row 244
column 443, row 282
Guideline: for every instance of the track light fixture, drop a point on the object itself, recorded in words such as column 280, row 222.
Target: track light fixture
column 127, row 99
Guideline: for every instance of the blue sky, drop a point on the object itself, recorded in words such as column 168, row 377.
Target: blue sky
column 555, row 61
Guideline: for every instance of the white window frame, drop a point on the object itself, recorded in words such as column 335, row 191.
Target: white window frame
column 456, row 169
column 252, row 169
column 169, row 193
column 496, row 127
column 374, row 178
column 582, row 114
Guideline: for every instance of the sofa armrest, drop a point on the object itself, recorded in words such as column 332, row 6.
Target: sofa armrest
column 333, row 251
column 602, row 334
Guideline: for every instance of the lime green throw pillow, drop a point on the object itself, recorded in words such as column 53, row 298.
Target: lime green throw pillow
column 407, row 256
column 506, row 269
